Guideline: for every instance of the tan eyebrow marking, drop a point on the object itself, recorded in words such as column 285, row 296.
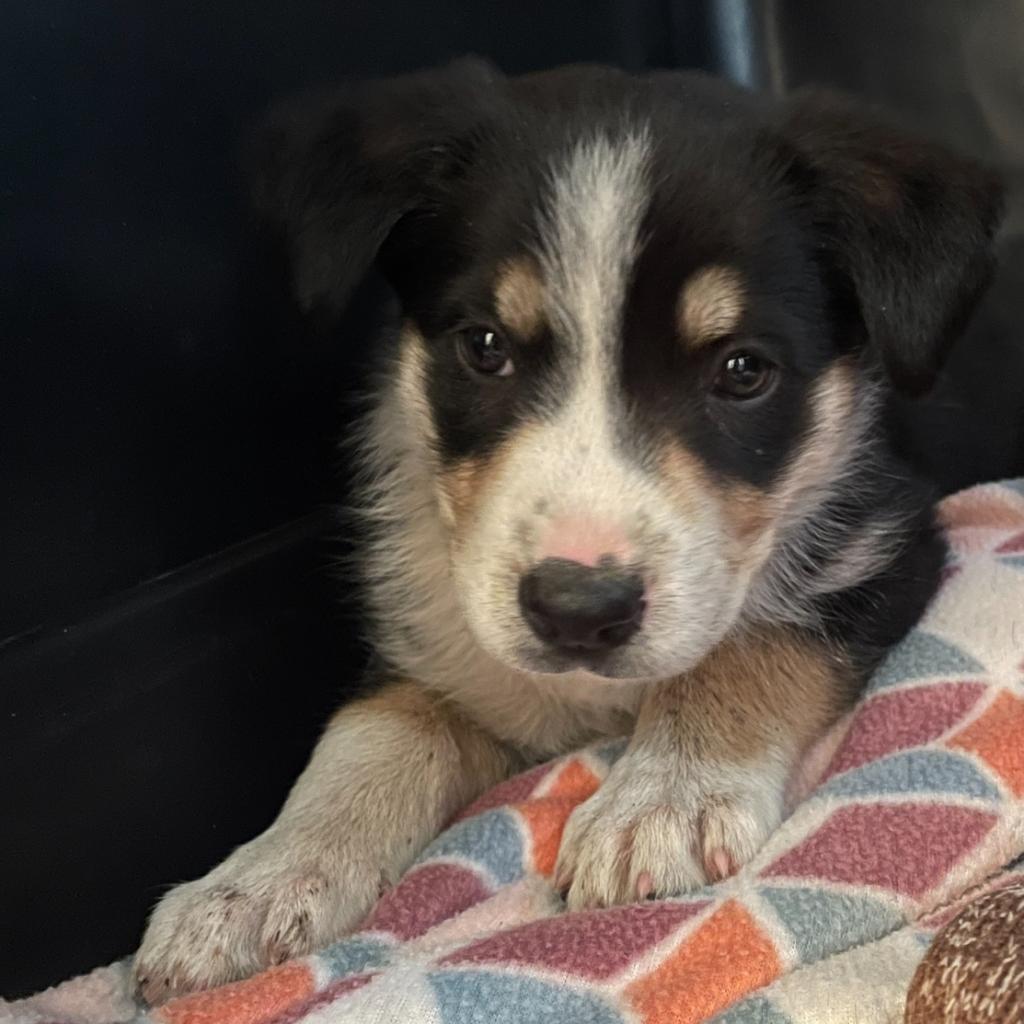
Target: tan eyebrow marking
column 710, row 305
column 519, row 297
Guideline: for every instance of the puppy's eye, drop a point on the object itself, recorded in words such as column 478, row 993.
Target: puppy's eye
column 744, row 375
column 485, row 351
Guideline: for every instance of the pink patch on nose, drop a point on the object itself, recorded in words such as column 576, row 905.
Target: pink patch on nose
column 584, row 541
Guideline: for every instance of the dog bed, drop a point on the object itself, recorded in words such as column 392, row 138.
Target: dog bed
column 894, row 890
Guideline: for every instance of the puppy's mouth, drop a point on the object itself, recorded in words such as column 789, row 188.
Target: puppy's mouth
column 602, row 667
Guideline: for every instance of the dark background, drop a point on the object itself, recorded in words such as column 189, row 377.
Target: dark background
column 171, row 636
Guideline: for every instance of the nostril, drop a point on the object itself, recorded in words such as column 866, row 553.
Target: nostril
column 619, row 632
column 543, row 625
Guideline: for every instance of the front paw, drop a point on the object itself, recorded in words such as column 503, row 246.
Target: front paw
column 271, row 900
column 651, row 831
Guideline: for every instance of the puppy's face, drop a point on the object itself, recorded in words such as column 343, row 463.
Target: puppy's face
column 642, row 323
column 630, row 382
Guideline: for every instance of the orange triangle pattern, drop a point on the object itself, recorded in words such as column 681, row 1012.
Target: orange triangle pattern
column 545, row 816
column 728, row 957
column 254, row 1001
column 996, row 738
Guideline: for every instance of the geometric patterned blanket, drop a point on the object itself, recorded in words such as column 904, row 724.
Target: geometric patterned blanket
column 909, row 809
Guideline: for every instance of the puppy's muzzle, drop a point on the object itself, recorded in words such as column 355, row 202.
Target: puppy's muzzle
column 579, row 609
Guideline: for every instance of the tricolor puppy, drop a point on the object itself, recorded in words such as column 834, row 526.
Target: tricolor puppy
column 625, row 469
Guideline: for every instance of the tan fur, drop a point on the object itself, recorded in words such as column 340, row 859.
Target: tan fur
column 747, row 511
column 750, row 690
column 685, row 476
column 820, row 460
column 458, row 488
column 842, row 406
column 710, row 305
column 756, row 518
column 752, row 517
column 519, row 298
column 439, row 727
column 757, row 521
column 455, row 488
column 701, row 784
column 412, row 383
column 463, row 486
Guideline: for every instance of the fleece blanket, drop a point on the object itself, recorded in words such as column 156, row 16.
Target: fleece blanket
column 906, row 832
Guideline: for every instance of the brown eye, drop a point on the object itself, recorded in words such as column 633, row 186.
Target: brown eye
column 744, row 375
column 485, row 351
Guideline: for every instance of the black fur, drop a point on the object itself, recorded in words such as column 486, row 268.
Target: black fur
column 856, row 240
column 909, row 222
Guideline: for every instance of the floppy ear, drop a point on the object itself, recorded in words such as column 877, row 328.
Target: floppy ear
column 336, row 173
column 908, row 222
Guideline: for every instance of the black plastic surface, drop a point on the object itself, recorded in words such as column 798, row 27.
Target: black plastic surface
column 143, row 742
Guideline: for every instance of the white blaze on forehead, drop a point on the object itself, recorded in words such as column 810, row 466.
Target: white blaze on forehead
column 598, row 197
column 596, row 498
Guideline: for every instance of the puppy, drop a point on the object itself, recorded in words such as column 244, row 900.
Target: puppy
column 624, row 473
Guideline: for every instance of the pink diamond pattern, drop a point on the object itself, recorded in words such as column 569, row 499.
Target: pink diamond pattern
column 906, row 848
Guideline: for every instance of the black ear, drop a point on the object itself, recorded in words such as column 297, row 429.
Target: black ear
column 908, row 222
column 335, row 173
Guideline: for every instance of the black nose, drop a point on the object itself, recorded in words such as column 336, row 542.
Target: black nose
column 578, row 608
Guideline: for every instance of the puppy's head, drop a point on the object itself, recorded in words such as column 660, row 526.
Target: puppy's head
column 644, row 321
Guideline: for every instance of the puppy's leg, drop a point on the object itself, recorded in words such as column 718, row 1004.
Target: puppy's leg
column 387, row 773
column 700, row 786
